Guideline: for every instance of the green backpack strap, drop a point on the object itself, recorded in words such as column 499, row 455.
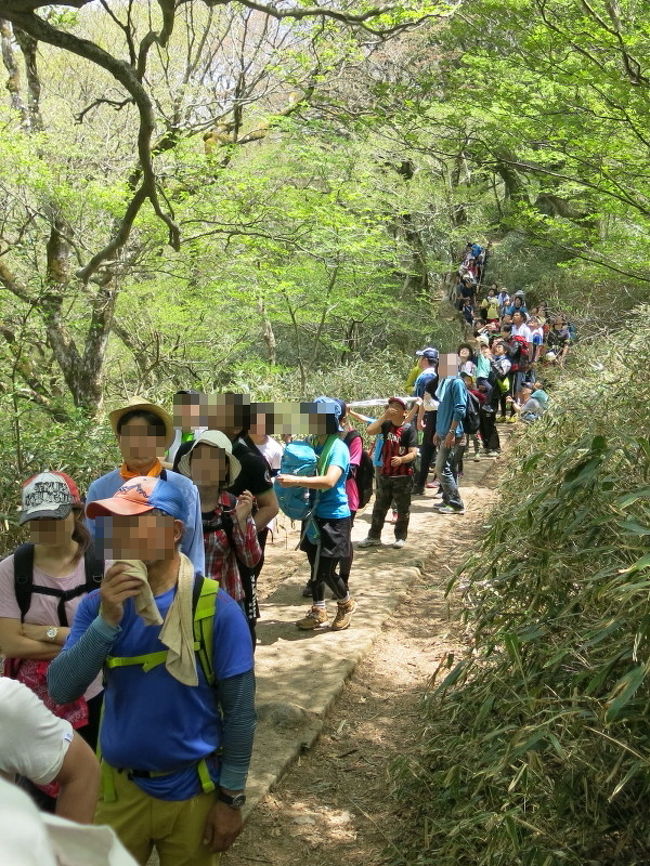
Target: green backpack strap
column 325, row 453
column 204, row 605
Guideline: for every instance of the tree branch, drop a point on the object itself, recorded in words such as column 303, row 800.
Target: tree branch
column 124, row 73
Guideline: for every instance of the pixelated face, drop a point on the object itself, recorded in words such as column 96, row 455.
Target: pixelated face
column 190, row 411
column 397, row 412
column 448, row 365
column 209, row 465
column 262, row 419
column 139, row 442
column 228, row 412
column 149, row 537
column 317, row 422
column 51, row 531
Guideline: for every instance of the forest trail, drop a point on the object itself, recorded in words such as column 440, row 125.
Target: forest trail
column 338, row 733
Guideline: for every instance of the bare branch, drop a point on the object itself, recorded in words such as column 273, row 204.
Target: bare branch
column 42, row 30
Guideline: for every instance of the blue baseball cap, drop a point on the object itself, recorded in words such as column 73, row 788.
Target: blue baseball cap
column 138, row 496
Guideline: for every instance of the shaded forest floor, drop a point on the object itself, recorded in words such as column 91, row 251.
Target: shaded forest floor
column 335, row 805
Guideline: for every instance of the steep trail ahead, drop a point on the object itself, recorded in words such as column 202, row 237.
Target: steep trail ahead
column 359, row 690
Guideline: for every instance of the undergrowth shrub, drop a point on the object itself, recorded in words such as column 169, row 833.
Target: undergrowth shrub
column 535, row 746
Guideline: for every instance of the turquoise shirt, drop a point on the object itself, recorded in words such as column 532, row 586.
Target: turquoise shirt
column 333, row 503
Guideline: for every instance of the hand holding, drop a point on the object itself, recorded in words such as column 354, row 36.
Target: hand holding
column 116, row 587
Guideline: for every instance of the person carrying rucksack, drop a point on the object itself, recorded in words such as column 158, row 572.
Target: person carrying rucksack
column 179, row 712
column 144, row 431
column 229, row 531
column 395, row 478
column 41, row 586
column 425, row 389
column 452, row 396
column 327, row 526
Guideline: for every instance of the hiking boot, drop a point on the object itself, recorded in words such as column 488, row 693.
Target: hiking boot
column 501, row 419
column 344, row 611
column 450, row 509
column 494, row 454
column 477, row 457
column 370, row 542
column 316, row 617
column 513, row 419
column 399, row 543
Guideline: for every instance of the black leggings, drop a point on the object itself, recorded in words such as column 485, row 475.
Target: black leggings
column 324, row 575
column 345, row 563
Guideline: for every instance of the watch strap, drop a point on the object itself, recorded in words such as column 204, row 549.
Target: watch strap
column 236, row 801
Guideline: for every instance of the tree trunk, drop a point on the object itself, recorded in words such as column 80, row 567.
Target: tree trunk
column 28, row 45
column 267, row 334
column 9, row 60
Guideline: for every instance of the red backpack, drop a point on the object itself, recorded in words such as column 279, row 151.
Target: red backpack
column 518, row 353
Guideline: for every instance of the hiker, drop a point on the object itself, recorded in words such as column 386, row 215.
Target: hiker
column 41, row 586
column 558, row 340
column 189, row 420
column 525, row 405
column 178, row 723
column 259, row 434
column 326, row 533
column 231, row 413
column 520, row 327
column 44, row 749
column 229, row 531
column 144, row 430
column 537, row 338
column 395, row 477
column 466, row 362
column 354, row 442
column 425, row 389
column 487, row 418
column 452, row 397
column 490, row 306
column 503, row 299
column 467, row 310
column 500, row 365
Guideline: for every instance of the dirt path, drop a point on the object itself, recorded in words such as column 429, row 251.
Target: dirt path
column 335, row 805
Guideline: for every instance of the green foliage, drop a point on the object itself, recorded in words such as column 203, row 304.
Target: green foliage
column 31, row 444
column 535, row 746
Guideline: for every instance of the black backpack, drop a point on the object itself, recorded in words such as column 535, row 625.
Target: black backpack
column 471, row 421
column 24, row 581
column 364, row 473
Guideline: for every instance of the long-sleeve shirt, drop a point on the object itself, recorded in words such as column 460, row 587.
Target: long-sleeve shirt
column 452, row 395
column 226, row 542
column 153, row 722
column 192, row 540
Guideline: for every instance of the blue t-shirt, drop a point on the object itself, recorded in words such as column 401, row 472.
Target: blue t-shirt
column 334, row 502
column 421, row 381
column 153, row 722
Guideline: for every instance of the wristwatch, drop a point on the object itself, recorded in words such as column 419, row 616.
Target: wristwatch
column 52, row 632
column 235, row 802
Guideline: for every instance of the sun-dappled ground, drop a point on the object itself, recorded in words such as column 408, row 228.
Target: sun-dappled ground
column 336, row 804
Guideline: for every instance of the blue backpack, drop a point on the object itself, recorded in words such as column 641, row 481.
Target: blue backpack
column 299, row 458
